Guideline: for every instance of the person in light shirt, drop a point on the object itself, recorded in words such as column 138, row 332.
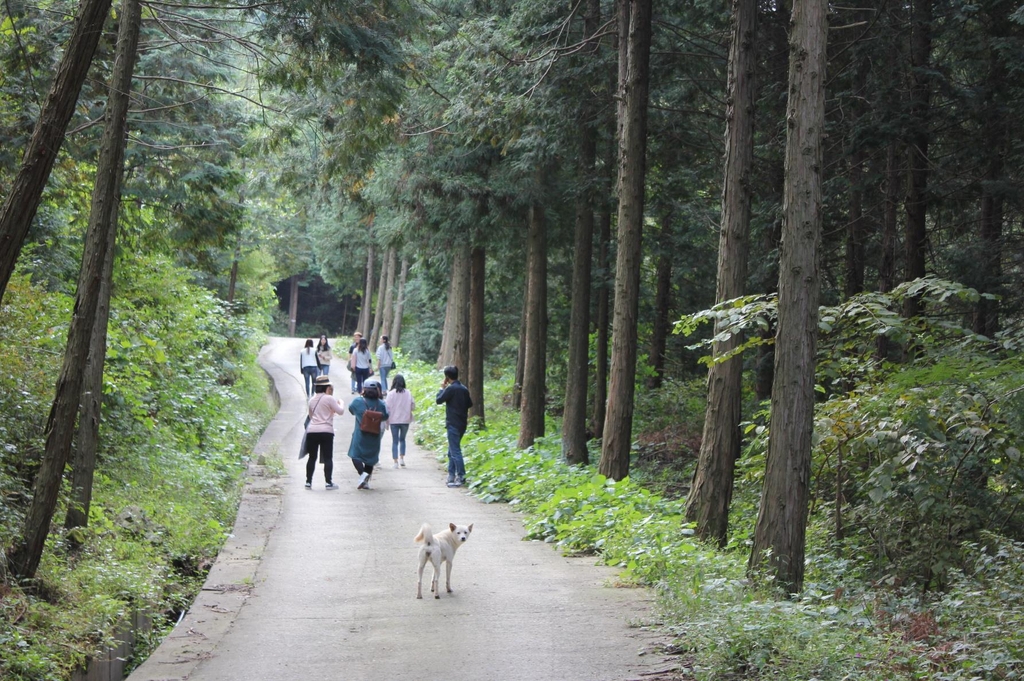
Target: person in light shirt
column 400, row 408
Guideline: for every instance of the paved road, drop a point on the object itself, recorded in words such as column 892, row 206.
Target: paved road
column 317, row 584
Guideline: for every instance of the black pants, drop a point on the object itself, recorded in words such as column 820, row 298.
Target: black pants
column 323, row 443
column 362, row 467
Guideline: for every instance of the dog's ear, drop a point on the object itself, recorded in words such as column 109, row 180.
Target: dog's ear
column 451, row 526
column 471, row 527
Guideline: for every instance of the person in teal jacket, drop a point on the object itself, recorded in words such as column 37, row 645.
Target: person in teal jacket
column 365, row 447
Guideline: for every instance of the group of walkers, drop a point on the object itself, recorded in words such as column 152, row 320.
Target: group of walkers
column 391, row 408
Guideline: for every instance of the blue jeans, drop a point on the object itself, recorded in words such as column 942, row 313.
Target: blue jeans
column 361, row 376
column 325, row 369
column 309, row 373
column 398, row 432
column 456, row 466
column 384, row 378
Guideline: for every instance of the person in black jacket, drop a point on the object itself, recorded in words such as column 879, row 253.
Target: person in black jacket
column 457, row 401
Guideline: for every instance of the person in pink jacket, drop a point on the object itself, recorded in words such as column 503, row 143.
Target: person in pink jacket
column 320, row 431
column 400, row 405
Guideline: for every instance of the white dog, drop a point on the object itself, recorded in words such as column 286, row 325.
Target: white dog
column 439, row 548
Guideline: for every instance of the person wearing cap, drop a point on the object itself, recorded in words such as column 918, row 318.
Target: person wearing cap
column 320, row 431
column 457, row 402
column 364, row 449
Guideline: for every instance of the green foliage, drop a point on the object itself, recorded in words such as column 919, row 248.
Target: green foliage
column 183, row 405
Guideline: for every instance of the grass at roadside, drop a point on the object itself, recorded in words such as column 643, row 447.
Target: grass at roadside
column 184, row 405
column 724, row 625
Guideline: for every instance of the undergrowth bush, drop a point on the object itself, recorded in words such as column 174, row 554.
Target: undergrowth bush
column 183, row 405
column 848, row 624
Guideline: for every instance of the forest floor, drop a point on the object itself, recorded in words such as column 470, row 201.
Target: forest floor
column 318, row 584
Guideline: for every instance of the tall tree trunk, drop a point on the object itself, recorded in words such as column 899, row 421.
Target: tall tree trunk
column 662, row 303
column 603, row 290
column 574, row 415
column 986, row 314
column 27, row 189
column 887, row 264
column 531, row 416
column 110, row 172
column 382, row 294
column 446, row 354
column 915, row 240
column 517, row 386
column 389, row 299
column 460, row 327
column 400, row 304
column 780, row 533
column 293, row 304
column 708, row 502
column 343, row 328
column 233, row 277
column 99, row 241
column 477, row 279
column 618, row 427
column 367, row 303
column 855, row 230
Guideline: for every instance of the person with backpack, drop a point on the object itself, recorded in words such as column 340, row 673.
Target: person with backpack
column 370, row 412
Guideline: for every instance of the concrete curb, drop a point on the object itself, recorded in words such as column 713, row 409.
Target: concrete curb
column 233, row 574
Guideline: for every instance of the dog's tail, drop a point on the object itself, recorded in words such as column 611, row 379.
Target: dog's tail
column 426, row 535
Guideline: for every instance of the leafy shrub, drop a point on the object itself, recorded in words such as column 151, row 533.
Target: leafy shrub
column 183, row 405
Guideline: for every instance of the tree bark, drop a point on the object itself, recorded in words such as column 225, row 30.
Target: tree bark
column 389, row 299
column 662, row 303
column 27, row 189
column 574, row 415
column 99, row 240
column 107, row 192
column 855, row 230
column 400, row 304
column 477, row 279
column 708, row 502
column 293, row 304
column 887, row 265
column 460, row 318
column 366, row 304
column 603, row 289
column 916, row 233
column 618, row 427
column 517, row 386
column 531, row 415
column 378, row 310
column 986, row 313
column 780, row 533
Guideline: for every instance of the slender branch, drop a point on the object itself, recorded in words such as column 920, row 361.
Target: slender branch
column 212, row 87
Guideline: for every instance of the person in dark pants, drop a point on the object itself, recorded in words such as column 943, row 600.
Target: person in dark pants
column 320, row 431
column 309, row 366
column 365, row 447
column 457, row 402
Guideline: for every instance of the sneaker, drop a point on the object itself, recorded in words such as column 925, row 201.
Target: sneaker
column 395, row 465
column 455, row 483
column 402, row 464
column 363, row 480
column 331, row 485
column 309, row 485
